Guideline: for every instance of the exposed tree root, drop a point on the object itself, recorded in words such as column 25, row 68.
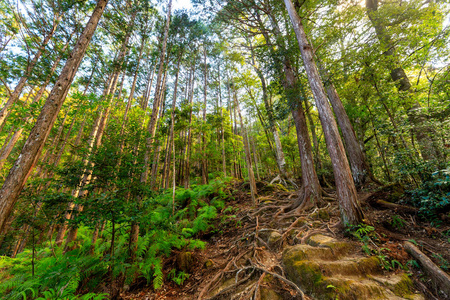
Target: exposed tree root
column 284, row 181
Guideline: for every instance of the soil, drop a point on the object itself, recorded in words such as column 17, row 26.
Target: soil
column 243, row 253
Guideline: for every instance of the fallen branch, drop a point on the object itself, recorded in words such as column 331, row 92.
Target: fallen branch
column 397, row 207
column 441, row 278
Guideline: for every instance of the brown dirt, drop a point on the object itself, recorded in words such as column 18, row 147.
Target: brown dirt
column 237, row 249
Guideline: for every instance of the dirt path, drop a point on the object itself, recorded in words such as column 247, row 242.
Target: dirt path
column 256, row 255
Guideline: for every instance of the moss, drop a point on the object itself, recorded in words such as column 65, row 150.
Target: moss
column 306, row 274
column 281, row 187
column 185, row 261
column 403, row 287
column 208, row 264
column 354, row 267
column 340, row 249
column 269, row 294
column 321, row 214
column 303, row 252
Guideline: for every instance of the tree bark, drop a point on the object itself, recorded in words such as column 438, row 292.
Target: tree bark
column 423, row 133
column 33, row 146
column 248, row 156
column 21, row 84
column 351, row 212
column 205, row 94
column 359, row 166
column 310, row 193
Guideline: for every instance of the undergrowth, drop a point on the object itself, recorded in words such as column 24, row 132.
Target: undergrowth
column 433, row 196
column 83, row 273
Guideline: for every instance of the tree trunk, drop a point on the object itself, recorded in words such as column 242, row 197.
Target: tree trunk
column 21, row 84
column 423, row 133
column 351, row 213
column 156, row 103
column 33, row 146
column 359, row 166
column 205, row 94
column 248, row 156
column 279, row 154
column 310, row 194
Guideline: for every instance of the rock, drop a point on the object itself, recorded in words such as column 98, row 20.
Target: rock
column 330, row 269
column 208, row 264
column 274, row 237
column 269, row 294
column 319, row 240
column 321, row 214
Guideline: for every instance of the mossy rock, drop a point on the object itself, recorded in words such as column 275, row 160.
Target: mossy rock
column 320, row 240
column 269, row 294
column 304, row 252
column 321, row 214
column 273, row 239
column 352, row 288
column 351, row 267
column 401, row 285
column 208, row 264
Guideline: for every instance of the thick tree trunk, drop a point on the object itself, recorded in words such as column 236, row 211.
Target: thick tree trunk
column 359, row 166
column 311, row 193
column 351, row 212
column 12, row 142
column 33, row 146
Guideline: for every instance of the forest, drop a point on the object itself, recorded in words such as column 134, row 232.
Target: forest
column 224, row 149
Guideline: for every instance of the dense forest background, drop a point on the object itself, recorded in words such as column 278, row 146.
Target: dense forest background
column 125, row 125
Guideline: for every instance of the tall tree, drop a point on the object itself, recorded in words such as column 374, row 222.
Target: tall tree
column 351, row 212
column 29, row 155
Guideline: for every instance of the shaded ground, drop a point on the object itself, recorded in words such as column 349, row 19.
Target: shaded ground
column 244, row 253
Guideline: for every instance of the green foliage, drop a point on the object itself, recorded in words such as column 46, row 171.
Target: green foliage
column 433, row 196
column 57, row 276
column 62, row 276
column 362, row 232
column 177, row 276
column 443, row 263
column 397, row 222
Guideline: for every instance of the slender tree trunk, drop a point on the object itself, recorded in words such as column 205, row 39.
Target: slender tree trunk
column 134, row 234
column 148, row 89
column 281, row 161
column 351, row 212
column 187, row 167
column 35, row 142
column 205, row 94
column 222, row 127
column 21, row 84
column 130, row 99
column 156, row 103
column 423, row 133
column 248, row 155
column 165, row 178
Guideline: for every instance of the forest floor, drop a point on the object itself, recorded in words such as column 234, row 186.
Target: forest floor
column 245, row 257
